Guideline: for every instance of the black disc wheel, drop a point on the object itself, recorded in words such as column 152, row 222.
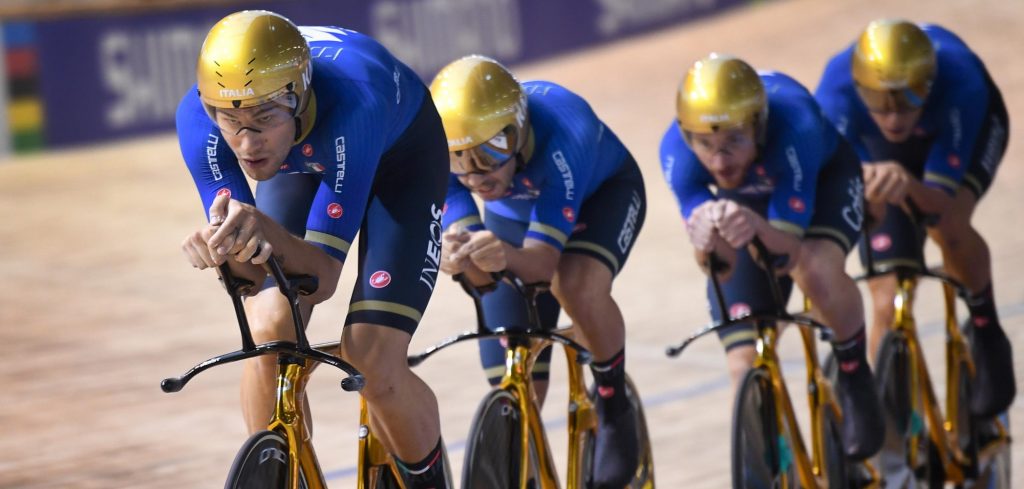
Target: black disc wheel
column 261, row 463
column 761, row 458
column 834, row 465
column 494, row 448
column 908, row 455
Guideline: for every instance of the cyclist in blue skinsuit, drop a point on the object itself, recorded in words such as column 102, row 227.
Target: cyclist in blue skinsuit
column 781, row 173
column 564, row 201
column 341, row 137
column 928, row 123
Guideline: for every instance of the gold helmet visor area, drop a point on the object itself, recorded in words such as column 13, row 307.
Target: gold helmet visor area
column 478, row 98
column 889, row 101
column 893, row 66
column 487, row 157
column 720, row 92
column 250, row 58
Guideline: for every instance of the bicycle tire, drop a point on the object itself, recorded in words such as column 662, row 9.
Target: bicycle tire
column 644, row 477
column 835, row 466
column 493, row 449
column 989, row 468
column 759, row 454
column 906, row 427
column 994, row 467
column 262, row 463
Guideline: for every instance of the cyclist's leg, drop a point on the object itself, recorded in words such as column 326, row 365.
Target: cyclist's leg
column 599, row 246
column 745, row 292
column 896, row 240
column 286, row 199
column 821, row 274
column 967, row 258
column 399, row 251
column 504, row 308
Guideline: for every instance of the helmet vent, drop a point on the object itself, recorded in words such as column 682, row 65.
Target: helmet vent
column 250, row 61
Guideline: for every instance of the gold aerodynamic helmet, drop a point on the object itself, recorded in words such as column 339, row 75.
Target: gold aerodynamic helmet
column 253, row 57
column 893, row 65
column 720, row 92
column 483, row 109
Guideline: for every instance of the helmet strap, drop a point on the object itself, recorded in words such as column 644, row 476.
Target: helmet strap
column 526, row 152
column 305, row 117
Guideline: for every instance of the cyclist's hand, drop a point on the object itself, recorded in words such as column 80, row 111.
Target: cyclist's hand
column 239, row 234
column 196, row 250
column 451, row 241
column 886, row 181
column 485, row 250
column 701, row 228
column 735, row 223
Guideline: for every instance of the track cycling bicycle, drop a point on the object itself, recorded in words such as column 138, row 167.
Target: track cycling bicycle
column 282, row 455
column 926, row 448
column 507, row 446
column 768, row 449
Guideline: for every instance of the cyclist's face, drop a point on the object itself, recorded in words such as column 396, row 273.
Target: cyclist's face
column 259, row 136
column 896, row 126
column 895, row 112
column 726, row 154
column 491, row 185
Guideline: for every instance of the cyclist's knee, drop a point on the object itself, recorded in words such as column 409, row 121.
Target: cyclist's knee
column 820, row 269
column 581, row 280
column 379, row 353
column 270, row 318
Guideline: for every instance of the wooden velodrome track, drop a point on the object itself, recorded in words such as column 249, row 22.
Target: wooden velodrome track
column 97, row 304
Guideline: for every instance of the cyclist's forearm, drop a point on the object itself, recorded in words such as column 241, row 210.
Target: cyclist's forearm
column 929, row 199
column 300, row 257
column 778, row 241
column 536, row 261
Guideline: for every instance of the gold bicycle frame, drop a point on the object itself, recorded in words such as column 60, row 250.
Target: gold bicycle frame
column 519, row 363
column 289, row 419
column 942, row 431
column 810, row 468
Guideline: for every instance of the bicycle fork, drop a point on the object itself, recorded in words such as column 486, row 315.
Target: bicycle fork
column 288, row 419
column 922, row 392
column 582, row 418
column 768, row 360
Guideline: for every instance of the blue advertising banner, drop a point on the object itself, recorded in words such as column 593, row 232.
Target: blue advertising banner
column 123, row 75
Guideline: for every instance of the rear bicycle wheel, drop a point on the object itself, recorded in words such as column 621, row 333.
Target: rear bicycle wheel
column 494, row 447
column 760, row 453
column 262, row 463
column 982, row 440
column 908, row 457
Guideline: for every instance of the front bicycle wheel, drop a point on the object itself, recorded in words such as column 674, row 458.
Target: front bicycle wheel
column 494, row 448
column 908, row 458
column 262, row 463
column 834, row 464
column 761, row 457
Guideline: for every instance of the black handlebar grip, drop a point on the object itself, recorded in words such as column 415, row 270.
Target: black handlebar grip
column 353, row 383
column 171, row 385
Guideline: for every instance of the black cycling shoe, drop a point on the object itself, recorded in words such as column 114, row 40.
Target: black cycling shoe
column 993, row 387
column 617, row 450
column 863, row 423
